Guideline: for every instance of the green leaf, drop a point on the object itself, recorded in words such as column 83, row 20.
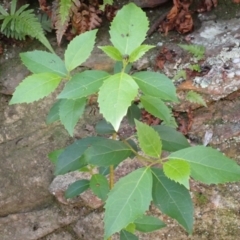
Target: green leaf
column 139, row 52
column 149, row 139
column 180, row 74
column 195, row 98
column 53, row 114
column 195, row 67
column 128, row 200
column 53, row 156
column 119, row 66
column 172, row 140
column 13, row 7
column 157, row 108
column 83, row 84
column 115, row 96
column 178, row 171
column 209, row 165
column 71, row 158
column 64, row 10
column 77, row 188
column 103, row 127
column 133, row 146
column 128, row 29
column 112, row 52
column 198, row 51
column 156, row 85
column 148, row 224
column 125, row 235
column 70, row 110
column 133, row 113
column 130, row 227
column 79, row 49
column 172, row 199
column 107, row 152
column 103, row 170
column 172, row 123
column 35, row 87
column 99, row 185
column 41, row 62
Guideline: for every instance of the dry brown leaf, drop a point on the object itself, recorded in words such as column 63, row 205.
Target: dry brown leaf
column 207, row 5
column 178, row 18
column 110, row 12
column 82, row 17
column 236, row 1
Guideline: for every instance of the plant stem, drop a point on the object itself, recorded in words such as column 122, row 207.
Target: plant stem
column 111, row 170
column 111, row 173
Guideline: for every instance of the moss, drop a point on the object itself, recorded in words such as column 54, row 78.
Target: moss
column 201, row 199
column 226, row 9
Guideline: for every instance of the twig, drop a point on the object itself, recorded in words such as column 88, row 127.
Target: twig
column 155, row 25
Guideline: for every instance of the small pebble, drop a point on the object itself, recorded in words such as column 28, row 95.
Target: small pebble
column 236, row 60
column 237, row 73
column 230, row 74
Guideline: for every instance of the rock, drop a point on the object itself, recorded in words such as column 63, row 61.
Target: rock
column 221, row 40
column 60, row 184
column 37, row 224
column 25, row 171
column 60, row 236
column 142, row 64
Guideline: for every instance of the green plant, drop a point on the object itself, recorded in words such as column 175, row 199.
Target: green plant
column 20, row 23
column 195, row 98
column 163, row 180
column 197, row 50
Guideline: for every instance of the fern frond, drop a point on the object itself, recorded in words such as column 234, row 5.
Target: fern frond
column 13, row 7
column 3, row 11
column 198, row 51
column 64, row 9
column 21, row 23
column 105, row 2
column 195, row 98
column 63, row 15
column 45, row 22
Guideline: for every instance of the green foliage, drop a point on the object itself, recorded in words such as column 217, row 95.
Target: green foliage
column 70, row 110
column 197, row 50
column 105, row 2
column 21, row 23
column 35, row 87
column 78, row 51
column 128, row 200
column 45, row 22
column 148, row 224
column 149, row 140
column 156, row 85
column 180, row 74
column 195, row 98
column 157, row 108
column 112, row 95
column 99, row 185
column 122, row 94
column 208, row 165
column 177, row 170
column 127, row 33
column 125, row 235
column 40, row 61
column 195, row 67
column 172, row 140
column 172, row 199
column 77, row 188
